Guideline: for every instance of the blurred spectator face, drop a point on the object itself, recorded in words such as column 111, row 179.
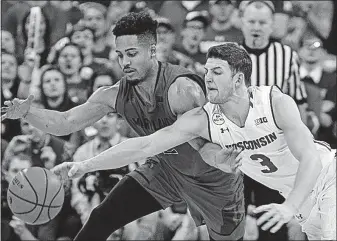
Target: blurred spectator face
column 7, row 42
column 102, row 80
column 118, row 9
column 16, row 165
column 95, row 20
column 163, row 52
column 85, row 39
column 221, row 11
column 107, row 126
column 42, row 27
column 257, row 22
column 9, row 67
column 194, row 32
column 70, row 60
column 53, row 84
column 312, row 50
column 165, row 36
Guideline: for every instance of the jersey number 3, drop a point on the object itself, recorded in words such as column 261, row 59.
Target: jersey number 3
column 264, row 161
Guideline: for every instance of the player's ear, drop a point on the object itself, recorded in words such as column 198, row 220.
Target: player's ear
column 238, row 79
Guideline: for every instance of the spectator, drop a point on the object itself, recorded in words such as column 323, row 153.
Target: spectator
column 7, row 42
column 10, row 167
column 10, row 83
column 86, row 195
column 317, row 81
column 165, row 42
column 177, row 11
column 221, row 28
column 69, row 59
column 328, row 130
column 43, row 45
column 45, row 150
column 102, row 77
column 192, row 34
column 95, row 17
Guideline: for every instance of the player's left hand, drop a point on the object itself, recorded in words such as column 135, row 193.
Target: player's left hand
column 275, row 215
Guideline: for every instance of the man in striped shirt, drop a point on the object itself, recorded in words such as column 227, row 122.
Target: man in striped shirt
column 273, row 62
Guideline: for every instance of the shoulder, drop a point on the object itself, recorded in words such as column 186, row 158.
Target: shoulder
column 185, row 94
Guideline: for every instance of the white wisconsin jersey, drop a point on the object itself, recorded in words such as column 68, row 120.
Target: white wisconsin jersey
column 267, row 158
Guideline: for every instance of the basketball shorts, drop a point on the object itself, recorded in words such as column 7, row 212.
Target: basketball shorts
column 318, row 214
column 213, row 198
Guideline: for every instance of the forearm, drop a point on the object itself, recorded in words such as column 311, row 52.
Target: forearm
column 303, row 185
column 49, row 121
column 125, row 153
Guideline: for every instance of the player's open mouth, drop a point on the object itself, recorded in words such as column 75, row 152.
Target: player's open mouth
column 128, row 71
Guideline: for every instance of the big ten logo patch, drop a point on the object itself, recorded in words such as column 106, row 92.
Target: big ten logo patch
column 261, row 120
column 17, row 182
column 218, row 119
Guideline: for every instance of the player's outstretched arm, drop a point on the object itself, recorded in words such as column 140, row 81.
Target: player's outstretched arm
column 301, row 144
column 62, row 123
column 183, row 130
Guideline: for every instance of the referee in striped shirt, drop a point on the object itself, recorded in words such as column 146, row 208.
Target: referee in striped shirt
column 273, row 62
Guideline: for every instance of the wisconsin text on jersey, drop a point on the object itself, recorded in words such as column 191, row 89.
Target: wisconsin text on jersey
column 255, row 144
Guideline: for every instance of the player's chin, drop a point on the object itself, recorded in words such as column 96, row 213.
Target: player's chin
column 133, row 80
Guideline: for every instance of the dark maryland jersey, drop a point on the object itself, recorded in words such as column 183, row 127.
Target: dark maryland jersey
column 145, row 119
column 180, row 174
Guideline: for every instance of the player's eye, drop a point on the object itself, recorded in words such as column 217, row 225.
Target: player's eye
column 132, row 54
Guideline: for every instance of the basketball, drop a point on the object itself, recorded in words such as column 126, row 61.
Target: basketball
column 35, row 195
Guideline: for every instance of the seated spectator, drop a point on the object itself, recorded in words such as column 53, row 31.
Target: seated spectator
column 95, row 17
column 193, row 32
column 177, row 11
column 18, row 230
column 317, row 81
column 10, row 83
column 87, row 194
column 7, row 42
column 221, row 28
column 102, row 77
column 69, row 59
column 45, row 150
column 166, row 37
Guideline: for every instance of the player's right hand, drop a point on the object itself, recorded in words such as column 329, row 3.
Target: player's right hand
column 16, row 108
column 68, row 170
column 229, row 160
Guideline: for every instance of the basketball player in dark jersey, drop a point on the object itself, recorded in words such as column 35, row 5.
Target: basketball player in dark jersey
column 151, row 96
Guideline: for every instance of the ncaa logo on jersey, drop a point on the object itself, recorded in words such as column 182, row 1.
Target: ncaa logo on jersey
column 261, row 121
column 218, row 119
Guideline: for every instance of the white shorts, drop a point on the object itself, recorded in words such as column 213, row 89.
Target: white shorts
column 318, row 214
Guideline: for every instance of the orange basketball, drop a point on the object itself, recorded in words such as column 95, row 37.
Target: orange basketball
column 35, row 195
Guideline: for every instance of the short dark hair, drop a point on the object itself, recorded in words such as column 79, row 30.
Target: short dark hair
column 81, row 28
column 236, row 56
column 140, row 24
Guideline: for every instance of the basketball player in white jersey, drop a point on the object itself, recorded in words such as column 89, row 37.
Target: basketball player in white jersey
column 277, row 148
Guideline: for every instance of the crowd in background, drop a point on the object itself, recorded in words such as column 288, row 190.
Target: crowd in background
column 75, row 56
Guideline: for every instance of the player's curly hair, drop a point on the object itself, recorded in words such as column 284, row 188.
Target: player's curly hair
column 140, row 24
column 236, row 56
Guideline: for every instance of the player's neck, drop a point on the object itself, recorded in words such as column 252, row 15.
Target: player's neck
column 236, row 109
column 148, row 84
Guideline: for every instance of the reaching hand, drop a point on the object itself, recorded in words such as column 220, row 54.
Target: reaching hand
column 16, row 108
column 68, row 170
column 229, row 160
column 275, row 216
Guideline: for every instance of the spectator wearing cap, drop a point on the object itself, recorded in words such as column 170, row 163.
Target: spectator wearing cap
column 176, row 11
column 95, row 17
column 165, row 41
column 193, row 32
column 221, row 28
column 316, row 79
